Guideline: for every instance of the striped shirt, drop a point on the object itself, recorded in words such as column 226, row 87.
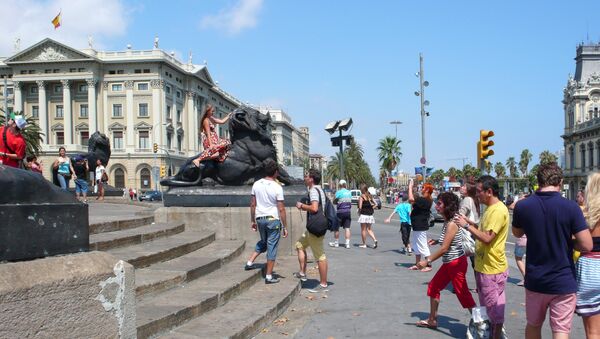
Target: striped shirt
column 455, row 250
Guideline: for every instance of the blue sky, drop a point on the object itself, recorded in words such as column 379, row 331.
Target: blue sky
column 491, row 65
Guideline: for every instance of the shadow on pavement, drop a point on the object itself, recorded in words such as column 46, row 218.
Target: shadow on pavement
column 451, row 327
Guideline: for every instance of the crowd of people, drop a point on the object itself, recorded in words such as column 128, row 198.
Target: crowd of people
column 549, row 229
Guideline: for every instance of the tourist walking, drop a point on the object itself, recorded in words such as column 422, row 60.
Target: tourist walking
column 550, row 222
column 419, row 220
column 64, row 168
column 316, row 203
column 403, row 211
column 215, row 148
column 491, row 266
column 343, row 199
column 12, row 143
column 365, row 218
column 99, row 175
column 267, row 216
column 588, row 265
column 454, row 267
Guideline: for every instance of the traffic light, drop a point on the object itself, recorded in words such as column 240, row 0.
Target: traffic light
column 483, row 147
column 163, row 171
column 155, row 148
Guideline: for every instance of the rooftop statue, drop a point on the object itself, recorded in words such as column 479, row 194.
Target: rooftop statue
column 251, row 144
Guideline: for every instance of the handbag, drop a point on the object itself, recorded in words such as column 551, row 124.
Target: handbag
column 316, row 223
column 468, row 244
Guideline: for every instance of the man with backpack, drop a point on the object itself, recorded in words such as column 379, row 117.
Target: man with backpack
column 12, row 143
column 316, row 204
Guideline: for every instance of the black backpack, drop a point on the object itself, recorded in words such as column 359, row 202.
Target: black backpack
column 318, row 223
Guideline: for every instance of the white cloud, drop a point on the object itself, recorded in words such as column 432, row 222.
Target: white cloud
column 232, row 20
column 30, row 21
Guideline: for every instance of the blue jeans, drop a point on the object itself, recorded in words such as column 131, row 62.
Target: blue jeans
column 64, row 182
column 81, row 186
column 270, row 232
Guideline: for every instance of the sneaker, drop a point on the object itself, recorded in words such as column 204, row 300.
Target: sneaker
column 362, row 246
column 318, row 289
column 273, row 280
column 249, row 267
column 375, row 246
column 300, row 276
column 334, row 244
column 347, row 245
column 409, row 251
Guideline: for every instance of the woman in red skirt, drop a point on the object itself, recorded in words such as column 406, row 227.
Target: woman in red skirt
column 215, row 148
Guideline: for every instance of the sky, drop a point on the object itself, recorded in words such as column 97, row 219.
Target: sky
column 494, row 65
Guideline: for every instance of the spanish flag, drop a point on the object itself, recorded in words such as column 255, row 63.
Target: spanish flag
column 56, row 20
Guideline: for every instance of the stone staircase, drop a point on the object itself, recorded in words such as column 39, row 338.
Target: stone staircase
column 191, row 285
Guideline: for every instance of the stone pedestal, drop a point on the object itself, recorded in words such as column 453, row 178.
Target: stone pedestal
column 223, row 196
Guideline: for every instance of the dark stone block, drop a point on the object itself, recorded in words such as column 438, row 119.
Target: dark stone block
column 223, row 196
column 32, row 231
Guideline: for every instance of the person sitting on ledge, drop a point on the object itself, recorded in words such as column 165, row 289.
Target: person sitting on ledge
column 215, row 148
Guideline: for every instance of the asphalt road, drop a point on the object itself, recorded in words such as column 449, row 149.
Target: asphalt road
column 373, row 295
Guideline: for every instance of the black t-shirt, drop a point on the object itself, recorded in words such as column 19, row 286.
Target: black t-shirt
column 79, row 168
column 419, row 216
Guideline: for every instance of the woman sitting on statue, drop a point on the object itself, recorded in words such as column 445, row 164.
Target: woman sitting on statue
column 215, row 148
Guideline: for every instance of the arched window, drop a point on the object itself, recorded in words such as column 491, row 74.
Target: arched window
column 145, row 181
column 571, row 158
column 119, row 178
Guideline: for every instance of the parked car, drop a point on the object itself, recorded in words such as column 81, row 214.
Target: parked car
column 355, row 196
column 151, row 196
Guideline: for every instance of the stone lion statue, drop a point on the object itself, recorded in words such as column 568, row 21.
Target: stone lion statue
column 251, row 144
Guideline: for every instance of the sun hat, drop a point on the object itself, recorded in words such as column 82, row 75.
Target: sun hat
column 20, row 121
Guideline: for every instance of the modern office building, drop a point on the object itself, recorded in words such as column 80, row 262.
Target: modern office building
column 135, row 97
column 581, row 100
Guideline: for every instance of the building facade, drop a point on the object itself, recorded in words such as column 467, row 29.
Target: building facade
column 135, row 97
column 292, row 143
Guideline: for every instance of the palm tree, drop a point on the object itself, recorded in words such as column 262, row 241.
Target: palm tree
column 488, row 167
column 437, row 176
column 524, row 162
column 31, row 133
column 499, row 169
column 389, row 152
column 512, row 167
column 469, row 171
column 453, row 173
column 546, row 157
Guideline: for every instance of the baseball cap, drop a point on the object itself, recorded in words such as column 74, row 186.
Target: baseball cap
column 20, row 121
column 372, row 190
column 342, row 182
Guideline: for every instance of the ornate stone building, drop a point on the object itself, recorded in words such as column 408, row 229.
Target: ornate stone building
column 135, row 97
column 292, row 143
column 582, row 119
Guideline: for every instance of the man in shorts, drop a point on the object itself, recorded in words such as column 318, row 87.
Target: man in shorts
column 81, row 185
column 491, row 266
column 343, row 199
column 307, row 239
column 550, row 222
column 267, row 216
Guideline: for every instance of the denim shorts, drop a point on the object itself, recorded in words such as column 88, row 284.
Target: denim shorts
column 270, row 232
column 81, row 186
column 520, row 251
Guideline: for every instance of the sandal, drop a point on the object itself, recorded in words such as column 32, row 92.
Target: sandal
column 413, row 268
column 426, row 269
column 426, row 324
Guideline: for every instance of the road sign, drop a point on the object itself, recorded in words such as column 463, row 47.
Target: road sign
column 422, row 160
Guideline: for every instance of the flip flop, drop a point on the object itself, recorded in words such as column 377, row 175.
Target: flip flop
column 425, row 324
column 426, row 269
column 413, row 268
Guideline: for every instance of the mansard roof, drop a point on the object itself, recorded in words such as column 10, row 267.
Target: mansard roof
column 48, row 50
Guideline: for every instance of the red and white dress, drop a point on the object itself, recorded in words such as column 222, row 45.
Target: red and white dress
column 219, row 146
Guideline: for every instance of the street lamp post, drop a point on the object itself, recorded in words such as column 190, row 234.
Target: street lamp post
column 340, row 125
column 422, row 84
column 396, row 122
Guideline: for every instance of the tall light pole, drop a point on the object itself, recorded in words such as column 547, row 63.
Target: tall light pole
column 422, row 84
column 340, row 125
column 396, row 122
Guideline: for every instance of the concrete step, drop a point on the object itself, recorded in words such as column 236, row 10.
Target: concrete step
column 246, row 314
column 163, row 249
column 165, row 275
column 133, row 236
column 121, row 224
column 174, row 307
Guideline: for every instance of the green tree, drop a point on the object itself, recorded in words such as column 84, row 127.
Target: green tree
column 512, row 167
column 547, row 157
column 389, row 152
column 526, row 157
column 31, row 133
column 454, row 173
column 532, row 177
column 469, row 171
column 436, row 177
column 500, row 170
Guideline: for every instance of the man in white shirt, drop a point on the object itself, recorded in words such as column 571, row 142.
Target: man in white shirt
column 267, row 216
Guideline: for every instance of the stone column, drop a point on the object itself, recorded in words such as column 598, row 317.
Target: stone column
column 129, row 114
column 68, row 117
column 157, row 119
column 18, row 98
column 105, row 108
column 190, row 121
column 43, row 110
column 92, row 115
